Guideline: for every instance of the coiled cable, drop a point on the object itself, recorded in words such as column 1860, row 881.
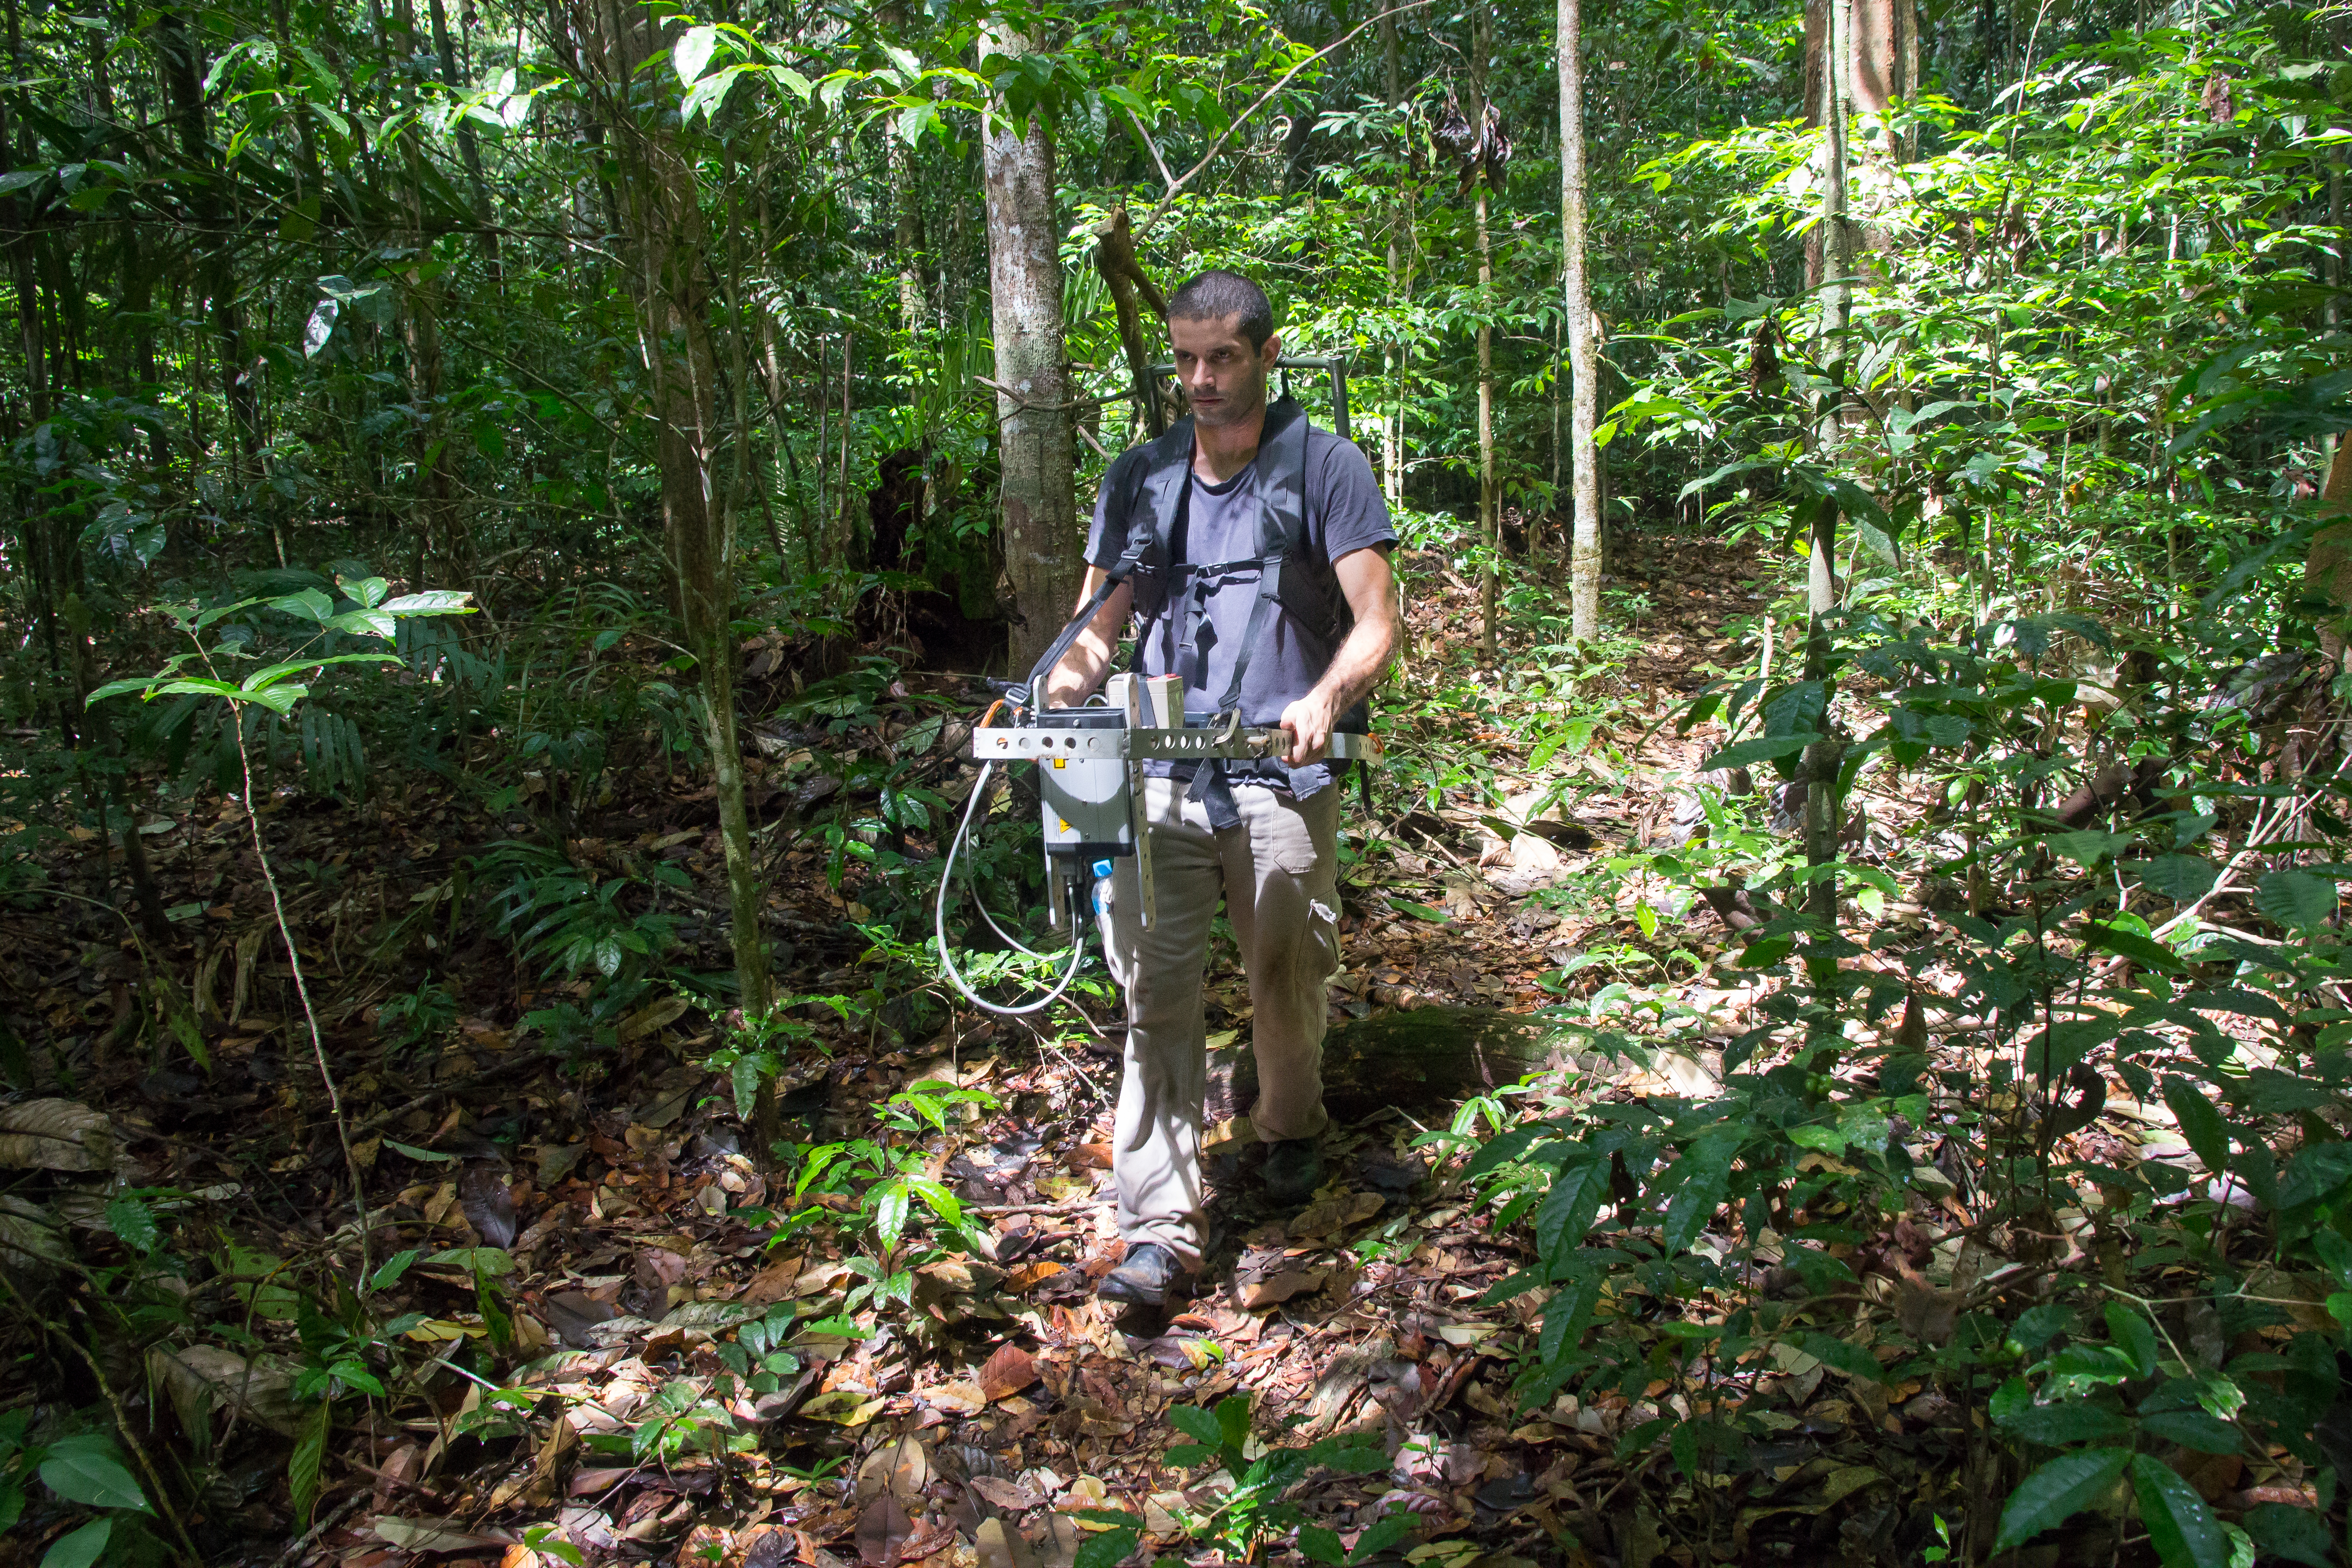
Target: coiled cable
column 940, row 921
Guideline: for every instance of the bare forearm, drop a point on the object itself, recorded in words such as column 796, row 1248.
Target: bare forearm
column 1081, row 668
column 1361, row 661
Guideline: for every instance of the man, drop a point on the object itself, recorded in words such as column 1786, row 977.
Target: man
column 1247, row 530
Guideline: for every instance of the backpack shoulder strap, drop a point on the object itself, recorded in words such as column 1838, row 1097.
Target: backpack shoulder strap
column 1282, row 480
column 1152, row 521
column 1281, row 528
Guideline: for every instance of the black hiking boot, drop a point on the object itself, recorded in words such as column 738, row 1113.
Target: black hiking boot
column 1149, row 1276
column 1293, row 1170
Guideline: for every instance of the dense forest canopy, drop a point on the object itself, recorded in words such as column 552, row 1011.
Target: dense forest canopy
column 513, row 511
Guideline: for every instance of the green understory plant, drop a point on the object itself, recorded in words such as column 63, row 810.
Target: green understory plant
column 2092, row 943
column 1255, row 1479
column 883, row 1179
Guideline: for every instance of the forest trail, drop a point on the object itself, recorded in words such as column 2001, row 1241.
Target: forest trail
column 997, row 1387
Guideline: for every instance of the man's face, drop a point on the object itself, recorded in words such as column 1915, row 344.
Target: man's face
column 1220, row 373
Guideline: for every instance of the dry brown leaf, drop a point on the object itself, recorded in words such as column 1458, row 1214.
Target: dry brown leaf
column 424, row 1532
column 1006, row 1495
column 962, row 1398
column 1926, row 1314
column 999, row 1547
column 1031, row 1275
column 1279, row 1287
column 488, row 1203
column 204, row 1379
column 56, row 1136
column 773, row 1283
column 1007, row 1372
column 882, row 1529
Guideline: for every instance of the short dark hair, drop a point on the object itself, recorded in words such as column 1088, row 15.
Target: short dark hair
column 1216, row 294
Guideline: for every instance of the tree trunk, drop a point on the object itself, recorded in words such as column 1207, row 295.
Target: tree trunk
column 2327, row 568
column 1041, row 548
column 1393, row 423
column 1822, row 757
column 847, row 524
column 1881, row 53
column 468, row 146
column 1490, row 526
column 665, row 240
column 1584, row 553
column 183, row 74
column 905, row 210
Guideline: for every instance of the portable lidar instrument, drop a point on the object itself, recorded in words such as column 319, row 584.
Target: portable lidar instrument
column 1090, row 769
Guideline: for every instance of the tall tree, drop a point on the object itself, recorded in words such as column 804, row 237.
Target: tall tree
column 1584, row 553
column 1822, row 757
column 1490, row 526
column 905, row 207
column 666, row 241
column 1035, row 433
column 1400, row 260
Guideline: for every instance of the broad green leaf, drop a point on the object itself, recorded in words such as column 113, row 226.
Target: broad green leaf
column 693, row 52
column 2088, row 848
column 1570, row 1208
column 2181, row 1527
column 1764, row 748
column 1321, row 1545
column 2294, row 1534
column 364, row 623
column 435, row 601
column 2139, row 949
column 1846, row 1357
column 2133, row 1337
column 1197, row 1424
column 368, row 590
column 2058, row 1491
column 2184, row 879
column 1383, row 1533
column 1417, row 911
column 194, row 686
column 890, row 1214
column 309, row 605
column 278, row 699
column 134, row 1223
column 495, row 1262
column 2197, row 1430
column 393, row 1267
column 309, row 1455
column 2201, row 1123
column 2057, row 1424
column 269, row 676
column 87, row 1469
column 1703, row 1173
column 1106, row 1549
column 81, row 1548
column 2296, row 899
column 116, row 689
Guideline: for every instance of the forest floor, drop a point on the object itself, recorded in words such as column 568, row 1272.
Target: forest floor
column 594, row 1253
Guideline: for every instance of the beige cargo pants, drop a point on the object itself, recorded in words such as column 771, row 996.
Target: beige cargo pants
column 1278, row 873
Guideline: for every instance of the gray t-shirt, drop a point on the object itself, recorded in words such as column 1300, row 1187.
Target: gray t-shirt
column 1217, row 523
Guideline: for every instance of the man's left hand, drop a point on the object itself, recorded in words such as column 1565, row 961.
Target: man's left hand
column 1310, row 721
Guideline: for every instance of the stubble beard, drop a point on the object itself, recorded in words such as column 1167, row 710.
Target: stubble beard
column 1234, row 410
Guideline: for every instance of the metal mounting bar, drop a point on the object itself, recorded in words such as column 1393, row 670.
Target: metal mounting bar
column 1047, row 744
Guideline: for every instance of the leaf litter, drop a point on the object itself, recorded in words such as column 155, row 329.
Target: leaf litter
column 632, row 1354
